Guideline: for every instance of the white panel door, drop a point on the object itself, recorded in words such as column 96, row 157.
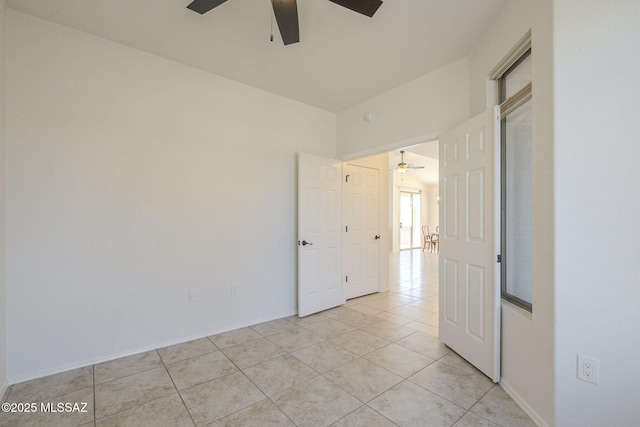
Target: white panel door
column 469, row 281
column 319, row 234
column 362, row 236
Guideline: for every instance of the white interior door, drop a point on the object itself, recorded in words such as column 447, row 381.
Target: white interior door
column 469, row 282
column 319, row 234
column 362, row 236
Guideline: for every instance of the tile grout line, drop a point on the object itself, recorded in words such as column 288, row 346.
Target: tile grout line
column 341, row 319
column 127, row 376
column 178, row 391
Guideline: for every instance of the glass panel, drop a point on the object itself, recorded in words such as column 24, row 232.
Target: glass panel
column 410, row 231
column 406, row 220
column 517, row 78
column 517, row 205
column 417, row 230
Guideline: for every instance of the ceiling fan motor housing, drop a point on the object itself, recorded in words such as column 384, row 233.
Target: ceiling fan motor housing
column 286, row 13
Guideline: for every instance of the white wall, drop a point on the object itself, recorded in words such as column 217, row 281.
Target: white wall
column 132, row 180
column 412, row 113
column 527, row 339
column 3, row 317
column 596, row 153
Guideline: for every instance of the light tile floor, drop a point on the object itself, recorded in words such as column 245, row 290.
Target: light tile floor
column 376, row 361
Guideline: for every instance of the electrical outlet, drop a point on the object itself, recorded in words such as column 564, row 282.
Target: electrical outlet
column 588, row 369
column 234, row 290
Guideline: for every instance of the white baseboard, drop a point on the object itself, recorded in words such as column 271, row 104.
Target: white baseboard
column 93, row 361
column 522, row 403
column 3, row 390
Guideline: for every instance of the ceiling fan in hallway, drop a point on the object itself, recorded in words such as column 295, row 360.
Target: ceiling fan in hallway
column 402, row 167
column 286, row 13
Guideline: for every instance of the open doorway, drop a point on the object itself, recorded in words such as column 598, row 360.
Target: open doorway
column 422, row 186
column 414, row 195
column 412, row 300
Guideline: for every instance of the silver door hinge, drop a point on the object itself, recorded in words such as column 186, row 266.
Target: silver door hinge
column 346, row 279
column 346, row 178
column 499, row 258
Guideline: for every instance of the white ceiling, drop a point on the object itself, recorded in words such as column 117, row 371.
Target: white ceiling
column 343, row 58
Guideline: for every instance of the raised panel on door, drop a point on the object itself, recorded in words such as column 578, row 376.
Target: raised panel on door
column 475, row 143
column 469, row 286
column 475, row 205
column 449, row 277
column 355, row 219
column 475, row 301
column 450, row 150
column 450, row 204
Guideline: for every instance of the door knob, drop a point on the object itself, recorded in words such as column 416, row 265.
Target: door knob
column 305, row 243
column 377, row 237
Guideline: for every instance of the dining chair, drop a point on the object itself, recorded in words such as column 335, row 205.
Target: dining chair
column 426, row 238
column 435, row 240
